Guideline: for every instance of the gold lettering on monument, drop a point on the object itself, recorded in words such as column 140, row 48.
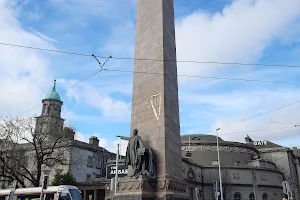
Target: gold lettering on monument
column 155, row 101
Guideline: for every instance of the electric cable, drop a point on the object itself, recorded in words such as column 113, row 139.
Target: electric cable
column 82, row 80
column 206, row 77
column 158, row 60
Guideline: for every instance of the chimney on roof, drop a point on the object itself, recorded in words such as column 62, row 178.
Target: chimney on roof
column 94, row 141
column 69, row 133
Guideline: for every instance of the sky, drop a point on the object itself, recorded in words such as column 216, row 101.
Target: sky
column 227, row 31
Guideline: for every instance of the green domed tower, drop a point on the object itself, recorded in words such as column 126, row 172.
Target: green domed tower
column 53, row 94
column 50, row 122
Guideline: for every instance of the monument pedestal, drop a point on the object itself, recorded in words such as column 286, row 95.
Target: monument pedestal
column 138, row 189
column 142, row 189
column 170, row 189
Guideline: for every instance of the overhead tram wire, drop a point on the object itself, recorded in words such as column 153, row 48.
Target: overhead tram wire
column 210, row 62
column 251, row 131
column 259, row 130
column 179, row 75
column 258, row 115
column 296, row 124
column 157, row 60
column 206, row 77
column 93, row 74
column 84, row 79
column 80, row 54
column 44, row 49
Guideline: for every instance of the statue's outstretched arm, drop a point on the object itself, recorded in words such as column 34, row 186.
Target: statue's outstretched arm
column 123, row 137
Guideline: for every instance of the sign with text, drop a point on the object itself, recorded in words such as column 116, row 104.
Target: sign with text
column 260, row 143
column 111, row 171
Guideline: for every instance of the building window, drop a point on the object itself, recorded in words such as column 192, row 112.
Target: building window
column 44, row 127
column 237, row 163
column 275, row 197
column 88, row 176
column 265, row 196
column 237, row 196
column 251, row 196
column 195, row 138
column 90, row 161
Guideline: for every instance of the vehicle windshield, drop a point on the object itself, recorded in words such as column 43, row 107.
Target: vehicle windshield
column 75, row 194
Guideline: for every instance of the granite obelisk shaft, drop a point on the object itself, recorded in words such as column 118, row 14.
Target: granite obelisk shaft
column 155, row 108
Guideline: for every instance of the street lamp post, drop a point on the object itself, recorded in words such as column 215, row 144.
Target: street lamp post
column 117, row 168
column 219, row 163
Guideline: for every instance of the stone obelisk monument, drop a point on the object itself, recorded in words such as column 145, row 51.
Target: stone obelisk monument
column 155, row 110
column 155, row 107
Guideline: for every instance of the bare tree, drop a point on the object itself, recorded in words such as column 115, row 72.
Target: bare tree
column 26, row 148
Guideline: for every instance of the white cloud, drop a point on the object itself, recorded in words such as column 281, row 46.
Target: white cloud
column 81, row 137
column 101, row 99
column 240, row 33
column 110, row 145
column 122, row 147
column 34, row 16
column 228, row 108
column 117, row 44
column 45, row 37
column 24, row 73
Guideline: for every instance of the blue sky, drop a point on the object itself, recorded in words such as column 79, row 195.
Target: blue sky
column 247, row 31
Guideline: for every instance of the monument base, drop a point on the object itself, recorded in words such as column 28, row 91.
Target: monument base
column 142, row 189
column 137, row 189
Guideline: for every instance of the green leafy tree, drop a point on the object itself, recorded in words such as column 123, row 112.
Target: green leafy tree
column 63, row 179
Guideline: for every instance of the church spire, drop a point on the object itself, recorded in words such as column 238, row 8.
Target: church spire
column 54, row 85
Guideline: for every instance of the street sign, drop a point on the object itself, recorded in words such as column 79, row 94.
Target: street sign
column 285, row 187
column 111, row 171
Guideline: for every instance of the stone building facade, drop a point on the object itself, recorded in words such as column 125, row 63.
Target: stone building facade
column 251, row 169
column 85, row 161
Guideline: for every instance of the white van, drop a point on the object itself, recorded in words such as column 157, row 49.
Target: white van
column 62, row 192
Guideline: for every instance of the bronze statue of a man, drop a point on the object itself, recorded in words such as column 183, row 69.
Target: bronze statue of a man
column 135, row 144
column 141, row 158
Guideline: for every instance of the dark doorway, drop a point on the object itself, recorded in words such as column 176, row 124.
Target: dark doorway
column 100, row 195
column 89, row 195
